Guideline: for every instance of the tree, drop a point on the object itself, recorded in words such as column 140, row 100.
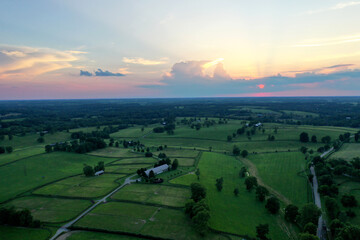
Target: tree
column 272, row 205
column 148, row 154
column 348, row 201
column 88, row 171
column 326, row 139
column 291, row 213
column 236, row 191
column 309, row 213
column 244, row 153
column 261, row 193
column 197, row 172
column 304, row 137
column 303, row 149
column 250, row 182
column 349, row 232
column 313, row 139
column 198, row 192
column 219, row 184
column 229, row 138
column 242, row 172
column 261, row 231
column 9, row 149
column 151, row 174
column 117, row 144
column 201, row 220
column 48, row 148
column 356, row 137
column 10, row 136
column 2, row 150
column 332, row 207
column 40, row 140
column 236, row 150
column 335, row 226
column 175, row 164
column 310, row 228
column 307, row 236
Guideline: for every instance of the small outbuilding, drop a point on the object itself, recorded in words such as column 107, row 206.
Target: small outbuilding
column 98, row 173
column 158, row 170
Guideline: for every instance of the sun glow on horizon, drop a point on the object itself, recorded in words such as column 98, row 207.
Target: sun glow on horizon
column 212, row 63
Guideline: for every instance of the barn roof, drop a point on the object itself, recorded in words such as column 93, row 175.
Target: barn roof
column 158, row 169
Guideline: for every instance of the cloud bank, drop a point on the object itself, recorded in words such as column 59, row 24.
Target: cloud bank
column 142, row 61
column 100, row 73
column 187, row 79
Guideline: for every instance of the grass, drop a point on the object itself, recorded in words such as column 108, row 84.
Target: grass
column 19, row 154
column 132, row 132
column 154, row 193
column 114, row 152
column 126, row 169
column 176, row 152
column 347, row 186
column 141, row 219
column 136, row 161
column 53, row 210
column 19, row 233
column 348, row 151
column 281, row 172
column 83, row 235
column 35, row 171
column 81, row 186
column 186, row 162
column 235, row 214
column 30, row 140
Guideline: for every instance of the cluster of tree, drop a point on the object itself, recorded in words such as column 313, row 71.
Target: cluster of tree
column 90, row 171
column 21, row 218
column 236, row 151
column 219, row 184
column 340, row 167
column 7, row 149
column 83, row 136
column 82, row 146
column 344, row 231
column 306, row 219
column 197, row 208
column 271, row 137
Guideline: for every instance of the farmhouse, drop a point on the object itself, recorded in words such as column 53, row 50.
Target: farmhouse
column 98, row 173
column 258, row 124
column 158, row 170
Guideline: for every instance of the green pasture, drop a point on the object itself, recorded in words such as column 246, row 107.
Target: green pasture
column 235, row 214
column 177, row 152
column 114, row 152
column 53, row 210
column 132, row 132
column 284, row 173
column 154, row 193
column 19, row 233
column 142, row 219
column 144, row 160
column 348, row 151
column 81, row 186
column 24, row 175
column 19, row 154
column 126, row 169
column 186, row 162
column 83, row 235
column 30, row 140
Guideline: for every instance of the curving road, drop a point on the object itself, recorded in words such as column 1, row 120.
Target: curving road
column 65, row 227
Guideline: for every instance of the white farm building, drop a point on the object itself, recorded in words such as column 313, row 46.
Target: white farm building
column 98, row 173
column 158, row 170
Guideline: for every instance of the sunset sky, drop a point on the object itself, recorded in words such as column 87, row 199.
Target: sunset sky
column 129, row 49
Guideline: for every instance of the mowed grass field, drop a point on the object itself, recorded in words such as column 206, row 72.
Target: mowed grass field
column 83, row 235
column 126, row 169
column 348, row 151
column 282, row 171
column 18, row 233
column 142, row 219
column 154, row 193
column 113, row 152
column 141, row 160
column 132, row 132
column 81, row 186
column 32, row 172
column 19, row 154
column 52, row 210
column 235, row 214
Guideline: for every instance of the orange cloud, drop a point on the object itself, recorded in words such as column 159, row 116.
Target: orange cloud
column 261, row 86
